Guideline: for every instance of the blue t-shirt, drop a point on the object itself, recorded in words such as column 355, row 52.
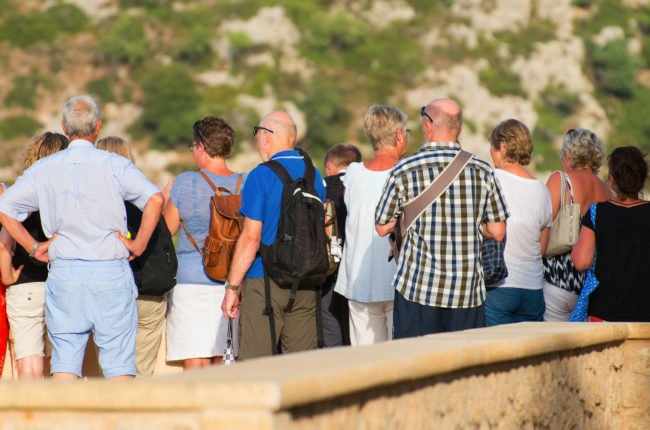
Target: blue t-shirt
column 191, row 195
column 262, row 198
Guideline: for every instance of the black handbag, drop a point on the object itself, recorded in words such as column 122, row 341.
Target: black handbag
column 494, row 265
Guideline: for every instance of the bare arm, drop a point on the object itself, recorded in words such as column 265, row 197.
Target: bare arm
column 553, row 185
column 543, row 238
column 494, row 230
column 583, row 252
column 385, row 229
column 150, row 217
column 7, row 245
column 245, row 251
column 172, row 217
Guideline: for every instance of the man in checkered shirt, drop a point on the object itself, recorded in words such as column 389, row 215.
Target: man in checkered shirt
column 439, row 279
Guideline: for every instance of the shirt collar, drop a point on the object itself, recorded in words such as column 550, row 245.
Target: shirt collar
column 287, row 154
column 81, row 143
column 436, row 146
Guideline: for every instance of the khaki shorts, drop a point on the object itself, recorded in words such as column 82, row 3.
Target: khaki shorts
column 295, row 328
column 26, row 313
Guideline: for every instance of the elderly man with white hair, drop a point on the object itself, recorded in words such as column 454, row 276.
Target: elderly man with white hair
column 80, row 193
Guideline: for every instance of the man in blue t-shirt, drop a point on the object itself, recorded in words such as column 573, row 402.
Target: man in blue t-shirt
column 261, row 207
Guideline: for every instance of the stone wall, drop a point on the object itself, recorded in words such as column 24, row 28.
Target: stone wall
column 529, row 375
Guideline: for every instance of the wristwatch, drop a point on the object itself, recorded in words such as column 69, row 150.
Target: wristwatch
column 231, row 286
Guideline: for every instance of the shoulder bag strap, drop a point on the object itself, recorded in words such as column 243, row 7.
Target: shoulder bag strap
column 189, row 236
column 562, row 189
column 413, row 209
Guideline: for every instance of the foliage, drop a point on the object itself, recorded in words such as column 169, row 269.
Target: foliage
column 102, row 88
column 501, row 80
column 553, row 108
column 26, row 29
column 171, row 102
column 197, row 50
column 17, row 126
column 23, row 93
column 608, row 13
column 523, row 42
column 613, row 68
column 124, row 40
column 327, row 116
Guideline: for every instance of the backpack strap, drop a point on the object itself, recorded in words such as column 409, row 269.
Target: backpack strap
column 279, row 170
column 189, row 236
column 268, row 311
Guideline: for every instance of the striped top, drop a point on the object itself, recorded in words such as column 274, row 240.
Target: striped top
column 440, row 259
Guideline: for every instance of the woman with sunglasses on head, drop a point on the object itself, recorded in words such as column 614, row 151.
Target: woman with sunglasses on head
column 196, row 329
column 581, row 156
column 619, row 242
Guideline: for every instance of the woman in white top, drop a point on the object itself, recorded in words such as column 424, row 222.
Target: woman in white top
column 365, row 274
column 519, row 297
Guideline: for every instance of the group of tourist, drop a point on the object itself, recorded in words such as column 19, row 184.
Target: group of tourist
column 65, row 246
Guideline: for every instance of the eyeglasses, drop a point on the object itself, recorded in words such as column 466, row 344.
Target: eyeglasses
column 424, row 113
column 257, row 128
column 192, row 146
column 195, row 127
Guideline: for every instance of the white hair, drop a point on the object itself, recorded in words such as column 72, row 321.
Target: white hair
column 80, row 116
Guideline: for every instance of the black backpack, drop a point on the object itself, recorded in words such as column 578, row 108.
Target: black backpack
column 155, row 270
column 297, row 258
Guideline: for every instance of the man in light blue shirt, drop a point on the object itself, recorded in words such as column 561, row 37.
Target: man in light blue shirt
column 80, row 193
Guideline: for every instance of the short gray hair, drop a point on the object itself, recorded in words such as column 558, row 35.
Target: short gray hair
column 80, row 116
column 585, row 147
column 381, row 124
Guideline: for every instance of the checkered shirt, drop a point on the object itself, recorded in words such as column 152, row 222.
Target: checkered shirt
column 439, row 261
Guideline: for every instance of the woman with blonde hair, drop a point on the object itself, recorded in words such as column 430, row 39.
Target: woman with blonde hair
column 581, row 156
column 25, row 277
column 519, row 296
column 151, row 309
column 365, row 276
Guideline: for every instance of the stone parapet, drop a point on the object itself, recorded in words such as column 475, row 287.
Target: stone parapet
column 552, row 375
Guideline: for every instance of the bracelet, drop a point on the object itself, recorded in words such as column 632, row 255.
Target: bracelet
column 231, row 286
column 34, row 248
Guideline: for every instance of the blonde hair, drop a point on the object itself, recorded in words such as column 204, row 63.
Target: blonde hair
column 515, row 136
column 117, row 145
column 381, row 123
column 43, row 146
column 584, row 147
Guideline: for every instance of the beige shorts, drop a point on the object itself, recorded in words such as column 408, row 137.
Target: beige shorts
column 26, row 313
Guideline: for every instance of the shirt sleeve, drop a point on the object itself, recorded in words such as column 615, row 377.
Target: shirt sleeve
column 135, row 186
column 388, row 205
column 21, row 198
column 496, row 209
column 319, row 185
column 548, row 208
column 586, row 220
column 253, row 198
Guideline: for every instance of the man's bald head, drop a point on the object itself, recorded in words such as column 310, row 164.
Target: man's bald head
column 447, row 116
column 284, row 129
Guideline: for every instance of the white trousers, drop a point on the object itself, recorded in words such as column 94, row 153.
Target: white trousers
column 370, row 322
column 559, row 303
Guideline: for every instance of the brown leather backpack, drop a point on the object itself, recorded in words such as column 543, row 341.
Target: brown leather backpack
column 225, row 226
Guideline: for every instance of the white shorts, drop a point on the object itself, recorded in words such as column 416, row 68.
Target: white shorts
column 196, row 327
column 26, row 314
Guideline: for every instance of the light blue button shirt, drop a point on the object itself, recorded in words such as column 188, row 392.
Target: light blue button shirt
column 80, row 193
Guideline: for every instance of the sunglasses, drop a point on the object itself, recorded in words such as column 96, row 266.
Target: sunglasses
column 195, row 127
column 257, row 128
column 424, row 113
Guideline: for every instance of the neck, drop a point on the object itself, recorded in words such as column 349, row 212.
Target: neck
column 216, row 165
column 90, row 139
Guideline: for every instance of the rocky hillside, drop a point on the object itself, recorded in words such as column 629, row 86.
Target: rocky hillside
column 156, row 66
